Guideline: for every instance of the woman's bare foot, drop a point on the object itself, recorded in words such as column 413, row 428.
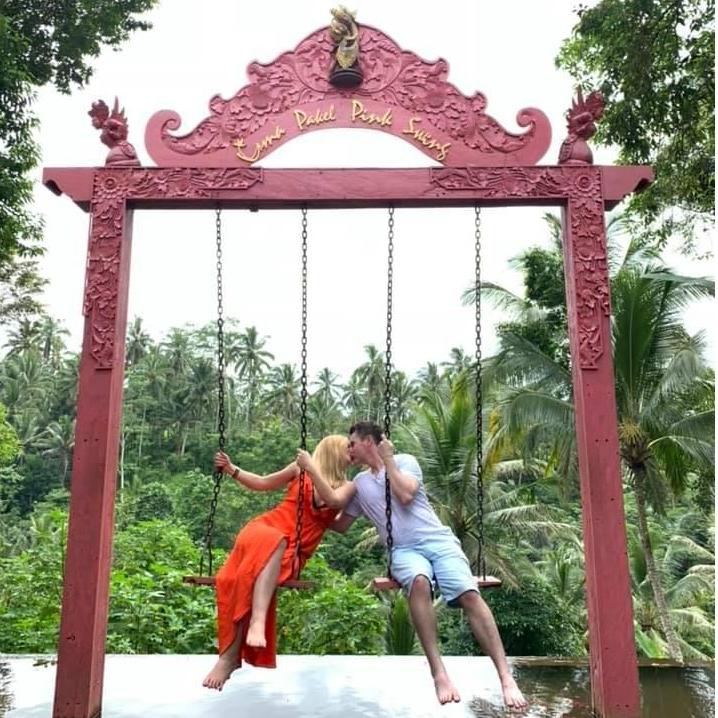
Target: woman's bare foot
column 513, row 697
column 445, row 691
column 219, row 674
column 255, row 635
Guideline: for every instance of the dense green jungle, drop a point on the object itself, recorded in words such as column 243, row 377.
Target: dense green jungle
column 532, row 516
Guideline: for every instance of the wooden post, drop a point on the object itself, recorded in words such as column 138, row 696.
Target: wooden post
column 614, row 671
column 83, row 628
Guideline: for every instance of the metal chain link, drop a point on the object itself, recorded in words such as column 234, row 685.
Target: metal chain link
column 220, row 394
column 303, row 402
column 481, row 559
column 387, row 380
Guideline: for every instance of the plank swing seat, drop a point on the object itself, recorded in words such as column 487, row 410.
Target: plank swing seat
column 382, row 583
column 211, row 580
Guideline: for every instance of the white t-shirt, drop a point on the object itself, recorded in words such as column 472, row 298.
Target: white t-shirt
column 410, row 523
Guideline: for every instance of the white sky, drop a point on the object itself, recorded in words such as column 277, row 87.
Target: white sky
column 506, row 50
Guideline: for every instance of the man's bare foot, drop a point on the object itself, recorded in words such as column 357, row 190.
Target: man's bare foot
column 255, row 635
column 445, row 691
column 219, row 674
column 513, row 697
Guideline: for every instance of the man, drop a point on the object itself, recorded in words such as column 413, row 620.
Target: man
column 424, row 551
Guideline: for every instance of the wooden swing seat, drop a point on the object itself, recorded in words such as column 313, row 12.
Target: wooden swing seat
column 389, row 584
column 210, row 581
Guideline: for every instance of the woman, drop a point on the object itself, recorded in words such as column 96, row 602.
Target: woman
column 264, row 552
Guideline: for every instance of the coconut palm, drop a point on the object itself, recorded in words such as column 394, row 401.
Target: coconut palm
column 178, row 350
column 251, row 362
column 372, row 374
column 687, row 569
column 25, row 336
column 325, row 415
column 353, row 397
column 659, row 371
column 138, row 341
column 283, row 396
column 459, row 362
column 52, row 344
column 430, row 379
column 58, row 441
column 24, row 381
column 403, row 395
column 327, row 384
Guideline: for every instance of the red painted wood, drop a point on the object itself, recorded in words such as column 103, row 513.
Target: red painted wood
column 614, row 670
column 401, row 94
column 83, row 628
column 584, row 189
column 192, row 188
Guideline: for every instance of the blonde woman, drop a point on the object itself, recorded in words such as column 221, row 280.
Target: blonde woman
column 264, row 551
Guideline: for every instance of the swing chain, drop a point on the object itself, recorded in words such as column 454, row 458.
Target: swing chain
column 303, row 402
column 387, row 381
column 389, row 317
column 220, row 394
column 481, row 558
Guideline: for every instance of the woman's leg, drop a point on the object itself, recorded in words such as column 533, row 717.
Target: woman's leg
column 226, row 662
column 264, row 588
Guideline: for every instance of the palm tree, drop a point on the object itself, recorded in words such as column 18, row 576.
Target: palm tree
column 327, row 384
column 25, row 381
column 152, row 377
column 353, row 397
column 430, row 379
column 178, row 350
column 372, row 374
column 687, row 569
column 26, row 336
column 251, row 362
column 324, row 415
column 459, row 362
column 283, row 395
column 659, row 372
column 52, row 345
column 138, row 341
column 27, row 428
column 403, row 395
column 65, row 384
column 58, row 441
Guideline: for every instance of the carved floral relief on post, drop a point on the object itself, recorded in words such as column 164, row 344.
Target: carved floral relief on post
column 103, row 263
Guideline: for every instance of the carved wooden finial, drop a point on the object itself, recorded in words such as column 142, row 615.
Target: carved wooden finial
column 581, row 122
column 114, row 133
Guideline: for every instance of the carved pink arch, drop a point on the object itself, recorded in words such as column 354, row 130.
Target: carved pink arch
column 401, row 94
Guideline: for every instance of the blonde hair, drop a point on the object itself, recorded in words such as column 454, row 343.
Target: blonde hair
column 331, row 459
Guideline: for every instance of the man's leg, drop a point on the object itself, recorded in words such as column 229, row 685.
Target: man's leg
column 483, row 626
column 424, row 619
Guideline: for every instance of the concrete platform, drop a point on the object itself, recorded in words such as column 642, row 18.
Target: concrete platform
column 160, row 686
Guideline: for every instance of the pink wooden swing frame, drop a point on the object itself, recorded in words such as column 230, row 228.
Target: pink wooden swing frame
column 215, row 165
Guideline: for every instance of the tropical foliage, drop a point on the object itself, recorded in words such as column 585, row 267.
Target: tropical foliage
column 530, row 498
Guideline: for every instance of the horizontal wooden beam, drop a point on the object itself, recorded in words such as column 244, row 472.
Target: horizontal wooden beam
column 257, row 188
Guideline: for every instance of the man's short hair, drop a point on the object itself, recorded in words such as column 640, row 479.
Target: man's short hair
column 366, row 428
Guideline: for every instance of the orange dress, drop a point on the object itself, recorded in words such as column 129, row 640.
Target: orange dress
column 253, row 547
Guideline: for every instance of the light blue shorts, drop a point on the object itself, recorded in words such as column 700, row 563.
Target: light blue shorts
column 441, row 560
